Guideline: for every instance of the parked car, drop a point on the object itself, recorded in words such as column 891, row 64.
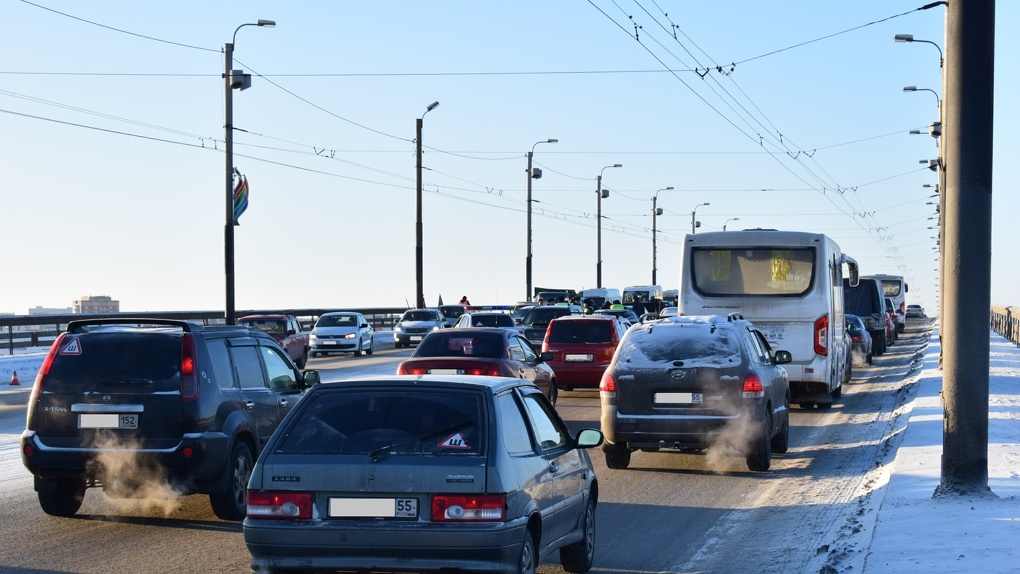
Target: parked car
column 342, row 332
column 860, row 340
column 485, row 319
column 438, row 473
column 414, row 324
column 694, row 383
column 451, row 313
column 489, row 351
column 135, row 405
column 287, row 331
column 537, row 319
column 915, row 311
column 581, row 347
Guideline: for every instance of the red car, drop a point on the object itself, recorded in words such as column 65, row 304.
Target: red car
column 581, row 346
column 489, row 351
column 287, row 331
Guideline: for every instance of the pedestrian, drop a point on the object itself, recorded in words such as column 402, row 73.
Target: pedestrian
column 464, row 300
column 639, row 308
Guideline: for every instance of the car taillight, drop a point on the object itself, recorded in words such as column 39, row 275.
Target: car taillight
column 822, row 335
column 545, row 339
column 44, row 370
column 607, row 384
column 402, row 370
column 189, row 376
column 468, row 507
column 903, row 310
column 486, row 371
column 279, row 504
column 753, row 388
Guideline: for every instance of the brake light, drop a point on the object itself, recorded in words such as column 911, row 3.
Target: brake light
column 484, row 371
column 44, row 370
column 607, row 384
column 822, row 335
column 903, row 310
column 281, row 505
column 545, row 339
column 189, row 376
column 753, row 388
column 403, row 370
column 468, row 507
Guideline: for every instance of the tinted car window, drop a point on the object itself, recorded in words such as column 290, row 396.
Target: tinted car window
column 516, row 437
column 544, row 314
column 398, row 422
column 117, row 357
column 221, row 364
column 248, row 367
column 581, row 332
column 461, row 343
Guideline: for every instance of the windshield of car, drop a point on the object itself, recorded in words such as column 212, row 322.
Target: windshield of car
column 271, row 326
column 461, row 343
column 420, row 316
column 337, row 321
column 759, row 271
column 539, row 315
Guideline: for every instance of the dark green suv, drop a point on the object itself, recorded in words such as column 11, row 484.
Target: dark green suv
column 147, row 405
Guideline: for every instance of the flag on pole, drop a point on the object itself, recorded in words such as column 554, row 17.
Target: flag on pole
column 240, row 196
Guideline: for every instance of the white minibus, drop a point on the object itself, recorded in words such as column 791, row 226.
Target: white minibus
column 895, row 288
column 790, row 285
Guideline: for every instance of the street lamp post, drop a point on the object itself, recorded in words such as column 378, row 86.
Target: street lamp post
column 419, row 271
column 598, row 194
column 728, row 221
column 232, row 80
column 532, row 175
column 656, row 211
column 693, row 213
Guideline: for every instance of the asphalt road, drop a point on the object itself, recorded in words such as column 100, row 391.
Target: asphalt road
column 668, row 512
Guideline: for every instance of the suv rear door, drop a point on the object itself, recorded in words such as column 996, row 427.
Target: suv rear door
column 267, row 382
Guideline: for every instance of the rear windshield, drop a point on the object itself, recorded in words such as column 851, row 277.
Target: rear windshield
column 461, row 343
column 421, row 422
column 128, row 360
column 495, row 320
column 695, row 346
column 580, row 332
column 759, row 271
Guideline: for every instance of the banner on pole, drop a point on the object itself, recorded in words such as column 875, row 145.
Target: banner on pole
column 240, row 196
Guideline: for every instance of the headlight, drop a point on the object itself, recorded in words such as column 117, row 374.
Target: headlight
column 397, row 328
column 350, row 335
column 313, row 336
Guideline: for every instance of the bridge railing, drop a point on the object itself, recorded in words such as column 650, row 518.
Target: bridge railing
column 1006, row 322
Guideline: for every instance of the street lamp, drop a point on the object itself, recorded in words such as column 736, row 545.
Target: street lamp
column 656, row 211
column 532, row 174
column 599, row 195
column 693, row 212
column 419, row 263
column 232, row 80
column 910, row 38
column 729, row 220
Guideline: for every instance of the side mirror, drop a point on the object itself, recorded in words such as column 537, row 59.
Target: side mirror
column 291, row 332
column 589, row 438
column 311, row 378
column 853, row 271
column 545, row 357
column 783, row 357
column 364, row 325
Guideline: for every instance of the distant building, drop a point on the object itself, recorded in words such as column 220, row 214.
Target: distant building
column 37, row 310
column 96, row 304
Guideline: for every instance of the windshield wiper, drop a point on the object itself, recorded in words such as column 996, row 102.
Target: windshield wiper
column 374, row 455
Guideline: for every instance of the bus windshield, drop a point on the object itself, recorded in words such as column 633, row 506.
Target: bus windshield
column 759, row 271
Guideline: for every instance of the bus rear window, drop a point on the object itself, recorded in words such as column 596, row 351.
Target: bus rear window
column 760, row 271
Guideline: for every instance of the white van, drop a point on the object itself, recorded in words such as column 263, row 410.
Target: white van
column 650, row 297
column 895, row 288
column 600, row 297
column 790, row 285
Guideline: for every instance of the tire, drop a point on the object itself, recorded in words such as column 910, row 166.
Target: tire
column 527, row 562
column 869, row 358
column 781, row 442
column 232, row 504
column 371, row 346
column 579, row 556
column 302, row 360
column 65, row 500
column 837, row 393
column 881, row 344
column 554, row 393
column 759, row 457
column 358, row 352
column 617, row 457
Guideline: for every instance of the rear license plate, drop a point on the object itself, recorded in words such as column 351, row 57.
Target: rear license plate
column 446, row 372
column 578, row 358
column 373, row 507
column 108, row 421
column 678, row 398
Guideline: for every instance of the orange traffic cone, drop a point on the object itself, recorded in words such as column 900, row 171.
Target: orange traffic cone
column 14, row 378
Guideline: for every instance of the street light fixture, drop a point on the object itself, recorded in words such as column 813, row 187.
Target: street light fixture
column 418, row 253
column 656, row 211
column 693, row 212
column 599, row 195
column 729, row 220
column 910, row 38
column 232, row 80
column 532, row 174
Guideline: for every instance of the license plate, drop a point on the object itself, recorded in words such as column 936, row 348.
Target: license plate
column 373, row 507
column 416, row 337
column 329, row 342
column 108, row 421
column 446, row 372
column 578, row 358
column 678, row 398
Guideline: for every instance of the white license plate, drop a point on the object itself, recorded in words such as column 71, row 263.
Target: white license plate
column 578, row 358
column 446, row 372
column 329, row 342
column 416, row 337
column 108, row 421
column 373, row 507
column 678, row 398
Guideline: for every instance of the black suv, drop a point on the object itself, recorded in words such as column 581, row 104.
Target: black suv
column 129, row 404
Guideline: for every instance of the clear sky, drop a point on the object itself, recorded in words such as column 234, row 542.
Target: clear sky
column 786, row 115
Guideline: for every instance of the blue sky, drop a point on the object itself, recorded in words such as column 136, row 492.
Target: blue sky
column 786, row 115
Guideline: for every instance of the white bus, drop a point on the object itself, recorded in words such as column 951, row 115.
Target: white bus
column 790, row 285
column 895, row 288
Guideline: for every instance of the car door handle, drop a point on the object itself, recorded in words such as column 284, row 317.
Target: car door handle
column 553, row 468
column 249, row 405
column 283, row 402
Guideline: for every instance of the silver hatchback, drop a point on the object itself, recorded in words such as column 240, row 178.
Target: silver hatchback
column 423, row 473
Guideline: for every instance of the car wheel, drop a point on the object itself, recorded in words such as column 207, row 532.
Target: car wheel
column 302, row 360
column 371, row 346
column 759, row 458
column 232, row 504
column 65, row 500
column 579, row 556
column 554, row 393
column 357, row 353
column 781, row 442
column 617, row 457
column 869, row 358
column 526, row 564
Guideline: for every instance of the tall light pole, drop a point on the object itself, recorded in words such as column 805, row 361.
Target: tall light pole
column 418, row 253
column 532, row 175
column 598, row 195
column 232, row 80
column 693, row 212
column 656, row 211
column 728, row 221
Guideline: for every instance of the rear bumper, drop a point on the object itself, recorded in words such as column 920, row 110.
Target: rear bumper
column 668, row 431
column 578, row 375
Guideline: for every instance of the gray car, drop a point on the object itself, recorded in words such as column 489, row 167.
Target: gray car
column 423, row 473
column 414, row 324
column 692, row 383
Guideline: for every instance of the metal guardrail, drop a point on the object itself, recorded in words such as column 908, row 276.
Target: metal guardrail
column 35, row 331
column 1006, row 322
